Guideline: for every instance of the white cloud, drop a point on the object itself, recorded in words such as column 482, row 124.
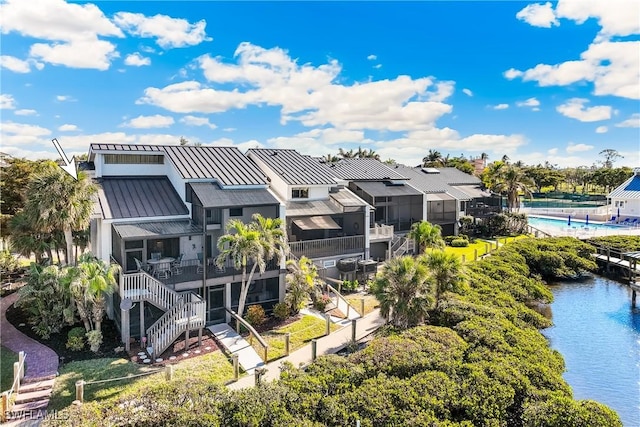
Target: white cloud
column 63, row 98
column 501, row 107
column 538, row 15
column 147, row 122
column 578, row 148
column 137, row 60
column 575, row 108
column 68, row 128
column 552, row 151
column 7, row 102
column 615, row 17
column 467, row 92
column 169, row 32
column 602, row 129
column 20, row 135
column 25, row 112
column 531, row 102
column 306, row 94
column 229, row 129
column 631, row 122
column 512, row 73
column 71, row 29
column 377, row 66
column 372, row 57
column 14, row 64
column 197, row 121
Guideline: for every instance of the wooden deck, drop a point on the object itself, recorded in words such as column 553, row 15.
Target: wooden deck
column 624, row 263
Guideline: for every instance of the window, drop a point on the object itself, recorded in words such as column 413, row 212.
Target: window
column 235, row 212
column 300, row 193
column 133, row 159
column 329, row 263
column 214, row 216
column 620, row 203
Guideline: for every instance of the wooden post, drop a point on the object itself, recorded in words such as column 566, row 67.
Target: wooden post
column 200, row 337
column 464, row 258
column 486, row 248
column 362, row 307
column 633, row 299
column 236, row 367
column 348, row 307
column 168, row 372
column 80, row 390
column 266, row 351
column 186, row 340
column 314, row 348
column 4, row 407
column 475, row 254
column 327, row 329
column 16, row 376
column 21, row 362
column 353, row 330
column 258, row 374
column 287, row 340
column 237, row 326
column 142, row 330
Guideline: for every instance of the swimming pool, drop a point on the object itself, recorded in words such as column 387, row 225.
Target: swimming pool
column 563, row 224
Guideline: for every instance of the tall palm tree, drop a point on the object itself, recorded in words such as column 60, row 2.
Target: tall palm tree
column 426, row 235
column 446, row 271
column 58, row 201
column 368, row 154
column 302, row 283
column 346, row 154
column 274, row 237
column 26, row 240
column 403, row 290
column 511, row 181
column 330, row 158
column 244, row 245
column 433, row 158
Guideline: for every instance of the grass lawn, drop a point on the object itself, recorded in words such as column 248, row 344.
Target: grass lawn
column 482, row 246
column 370, row 302
column 214, row 367
column 302, row 331
column 7, row 359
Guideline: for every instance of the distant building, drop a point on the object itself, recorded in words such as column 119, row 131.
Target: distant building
column 625, row 200
column 3, row 160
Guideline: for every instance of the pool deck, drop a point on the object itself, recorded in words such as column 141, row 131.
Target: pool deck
column 580, row 230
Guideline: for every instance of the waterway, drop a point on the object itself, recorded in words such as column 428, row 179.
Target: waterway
column 598, row 334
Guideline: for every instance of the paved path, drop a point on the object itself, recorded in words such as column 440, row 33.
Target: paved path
column 248, row 358
column 41, row 361
column 326, row 345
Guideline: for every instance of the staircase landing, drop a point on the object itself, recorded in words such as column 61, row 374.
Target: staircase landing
column 236, row 344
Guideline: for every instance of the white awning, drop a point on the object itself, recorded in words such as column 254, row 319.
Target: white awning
column 322, row 222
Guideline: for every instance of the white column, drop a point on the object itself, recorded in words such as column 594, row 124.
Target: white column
column 424, row 207
column 367, row 231
column 227, row 300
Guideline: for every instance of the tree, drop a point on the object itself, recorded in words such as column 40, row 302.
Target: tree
column 426, row 235
column 184, row 141
column 403, row 289
column 346, row 154
column 610, row 155
column 13, row 182
column 56, row 201
column 511, row 181
column 27, row 240
column 544, row 176
column 251, row 245
column 302, row 283
column 433, row 159
column 330, row 158
column 446, row 271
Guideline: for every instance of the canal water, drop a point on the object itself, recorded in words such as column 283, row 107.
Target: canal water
column 598, row 334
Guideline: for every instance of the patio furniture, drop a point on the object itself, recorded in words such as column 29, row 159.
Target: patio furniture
column 161, row 268
column 176, row 266
column 200, row 268
column 139, row 266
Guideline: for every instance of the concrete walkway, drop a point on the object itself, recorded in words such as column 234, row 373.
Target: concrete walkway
column 326, row 345
column 41, row 361
column 248, row 358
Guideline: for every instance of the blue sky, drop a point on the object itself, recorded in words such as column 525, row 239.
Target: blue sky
column 555, row 82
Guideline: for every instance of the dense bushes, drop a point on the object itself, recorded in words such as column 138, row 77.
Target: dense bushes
column 484, row 364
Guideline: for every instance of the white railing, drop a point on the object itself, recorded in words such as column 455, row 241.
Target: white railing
column 142, row 286
column 381, row 232
column 602, row 210
column 188, row 313
column 18, row 375
column 405, row 245
column 345, row 307
column 327, row 247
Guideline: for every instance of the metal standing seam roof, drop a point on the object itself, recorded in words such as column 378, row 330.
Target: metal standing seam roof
column 212, row 196
column 226, row 164
column 364, row 170
column 432, row 182
column 137, row 197
column 313, row 207
column 157, row 228
column 630, row 189
column 453, row 176
column 293, row 167
column 380, row 189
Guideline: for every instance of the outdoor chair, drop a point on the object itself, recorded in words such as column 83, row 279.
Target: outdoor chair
column 613, row 219
column 163, row 270
column 140, row 266
column 176, row 266
column 200, row 268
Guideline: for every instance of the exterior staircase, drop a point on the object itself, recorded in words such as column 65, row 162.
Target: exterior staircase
column 31, row 402
column 400, row 245
column 184, row 311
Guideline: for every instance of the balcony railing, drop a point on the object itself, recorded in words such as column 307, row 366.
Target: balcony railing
column 381, row 232
column 327, row 247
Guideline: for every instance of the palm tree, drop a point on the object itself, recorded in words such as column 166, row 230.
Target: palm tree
column 25, row 239
column 446, row 271
column 245, row 246
column 433, row 159
column 56, row 201
column 330, row 158
column 302, row 283
column 511, row 181
column 403, row 289
column 426, row 235
column 274, row 237
column 346, row 154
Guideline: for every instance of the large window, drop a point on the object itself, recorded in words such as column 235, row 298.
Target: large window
column 235, row 212
column 300, row 193
column 214, row 216
column 133, row 159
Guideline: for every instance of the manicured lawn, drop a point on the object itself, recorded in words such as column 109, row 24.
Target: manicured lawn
column 7, row 359
column 302, row 331
column 214, row 367
column 370, row 302
column 482, row 246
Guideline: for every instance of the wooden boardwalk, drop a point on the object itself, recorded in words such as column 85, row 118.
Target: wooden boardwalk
column 624, row 263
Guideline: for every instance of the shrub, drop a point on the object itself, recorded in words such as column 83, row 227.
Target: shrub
column 281, row 310
column 459, row 243
column 8, row 263
column 321, row 302
column 75, row 339
column 94, row 338
column 255, row 315
column 350, row 285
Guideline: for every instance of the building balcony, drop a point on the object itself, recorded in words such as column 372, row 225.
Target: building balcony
column 381, row 233
column 327, row 247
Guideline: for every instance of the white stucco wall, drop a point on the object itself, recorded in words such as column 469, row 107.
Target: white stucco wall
column 630, row 209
